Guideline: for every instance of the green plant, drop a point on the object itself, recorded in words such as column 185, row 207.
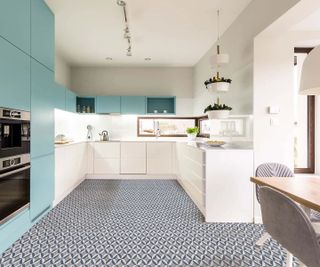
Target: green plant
column 217, row 79
column 217, row 106
column 192, row 130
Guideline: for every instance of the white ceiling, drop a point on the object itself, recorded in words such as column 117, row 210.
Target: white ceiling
column 310, row 23
column 171, row 32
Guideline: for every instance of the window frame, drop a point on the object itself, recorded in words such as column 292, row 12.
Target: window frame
column 311, row 124
column 199, row 119
column 164, row 118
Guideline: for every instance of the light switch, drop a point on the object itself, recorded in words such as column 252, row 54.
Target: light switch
column 274, row 121
column 274, row 110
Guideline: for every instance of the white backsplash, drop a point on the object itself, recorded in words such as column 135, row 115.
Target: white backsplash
column 74, row 126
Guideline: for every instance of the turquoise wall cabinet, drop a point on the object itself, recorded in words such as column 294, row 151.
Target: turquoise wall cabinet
column 133, row 105
column 42, row 110
column 71, row 101
column 42, row 185
column 15, row 23
column 14, row 77
column 108, row 104
column 42, row 33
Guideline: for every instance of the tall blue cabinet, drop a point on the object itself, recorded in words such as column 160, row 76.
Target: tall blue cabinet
column 27, row 83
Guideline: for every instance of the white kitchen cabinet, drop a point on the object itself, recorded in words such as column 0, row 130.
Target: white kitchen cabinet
column 133, row 158
column 191, row 174
column 70, row 168
column 159, row 157
column 106, row 150
column 218, row 181
column 106, row 158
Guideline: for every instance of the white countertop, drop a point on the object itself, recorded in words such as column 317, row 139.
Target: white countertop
column 198, row 144
column 228, row 146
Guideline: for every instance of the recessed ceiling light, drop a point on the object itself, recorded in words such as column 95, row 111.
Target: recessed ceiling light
column 109, row 58
column 147, row 58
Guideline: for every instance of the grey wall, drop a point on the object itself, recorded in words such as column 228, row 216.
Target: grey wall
column 151, row 81
column 238, row 42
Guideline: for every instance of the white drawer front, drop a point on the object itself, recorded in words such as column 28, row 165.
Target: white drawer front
column 133, row 150
column 159, row 150
column 133, row 165
column 106, row 166
column 158, row 166
column 106, row 150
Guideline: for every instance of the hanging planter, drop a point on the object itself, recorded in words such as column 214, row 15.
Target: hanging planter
column 218, row 111
column 218, row 114
column 217, row 83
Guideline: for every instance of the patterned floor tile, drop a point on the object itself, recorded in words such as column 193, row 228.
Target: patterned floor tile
column 137, row 223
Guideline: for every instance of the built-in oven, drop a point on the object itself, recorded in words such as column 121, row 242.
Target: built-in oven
column 14, row 186
column 14, row 132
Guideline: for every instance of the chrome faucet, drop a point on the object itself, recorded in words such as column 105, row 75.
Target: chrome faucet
column 157, row 131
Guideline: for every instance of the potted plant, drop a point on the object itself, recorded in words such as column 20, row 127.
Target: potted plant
column 218, row 83
column 192, row 133
column 218, row 111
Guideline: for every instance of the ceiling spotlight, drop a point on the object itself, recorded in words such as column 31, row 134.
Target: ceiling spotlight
column 147, row 58
column 109, row 58
column 121, row 3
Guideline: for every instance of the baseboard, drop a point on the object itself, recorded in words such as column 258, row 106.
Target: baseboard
column 132, row 176
column 258, row 219
column 67, row 192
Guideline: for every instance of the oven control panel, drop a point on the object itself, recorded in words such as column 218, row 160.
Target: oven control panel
column 7, row 163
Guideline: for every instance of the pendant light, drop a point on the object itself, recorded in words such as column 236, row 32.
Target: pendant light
column 310, row 78
column 217, row 83
column 219, row 59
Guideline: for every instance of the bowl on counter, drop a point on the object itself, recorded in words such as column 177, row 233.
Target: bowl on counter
column 214, row 143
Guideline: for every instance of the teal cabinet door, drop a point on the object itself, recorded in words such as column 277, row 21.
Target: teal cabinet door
column 108, row 104
column 42, row 110
column 15, row 22
column 71, row 101
column 59, row 96
column 41, row 185
column 133, row 105
column 14, row 229
column 42, row 33
column 14, row 77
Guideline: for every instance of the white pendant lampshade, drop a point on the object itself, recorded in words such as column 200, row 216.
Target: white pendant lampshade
column 219, row 59
column 310, row 77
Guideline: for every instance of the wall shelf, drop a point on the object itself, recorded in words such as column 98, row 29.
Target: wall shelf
column 161, row 105
column 86, row 104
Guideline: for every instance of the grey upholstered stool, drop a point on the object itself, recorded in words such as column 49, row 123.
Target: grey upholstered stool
column 287, row 223
column 270, row 170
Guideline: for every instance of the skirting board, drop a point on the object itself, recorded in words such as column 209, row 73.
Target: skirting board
column 67, row 192
column 258, row 220
column 132, row 176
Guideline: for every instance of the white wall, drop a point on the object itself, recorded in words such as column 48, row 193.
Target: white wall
column 149, row 81
column 273, row 86
column 237, row 41
column 62, row 71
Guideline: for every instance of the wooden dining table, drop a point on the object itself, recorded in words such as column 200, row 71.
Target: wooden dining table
column 304, row 190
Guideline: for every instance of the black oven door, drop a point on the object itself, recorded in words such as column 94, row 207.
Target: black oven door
column 14, row 192
column 14, row 137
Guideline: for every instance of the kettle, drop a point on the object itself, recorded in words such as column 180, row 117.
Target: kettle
column 104, row 136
